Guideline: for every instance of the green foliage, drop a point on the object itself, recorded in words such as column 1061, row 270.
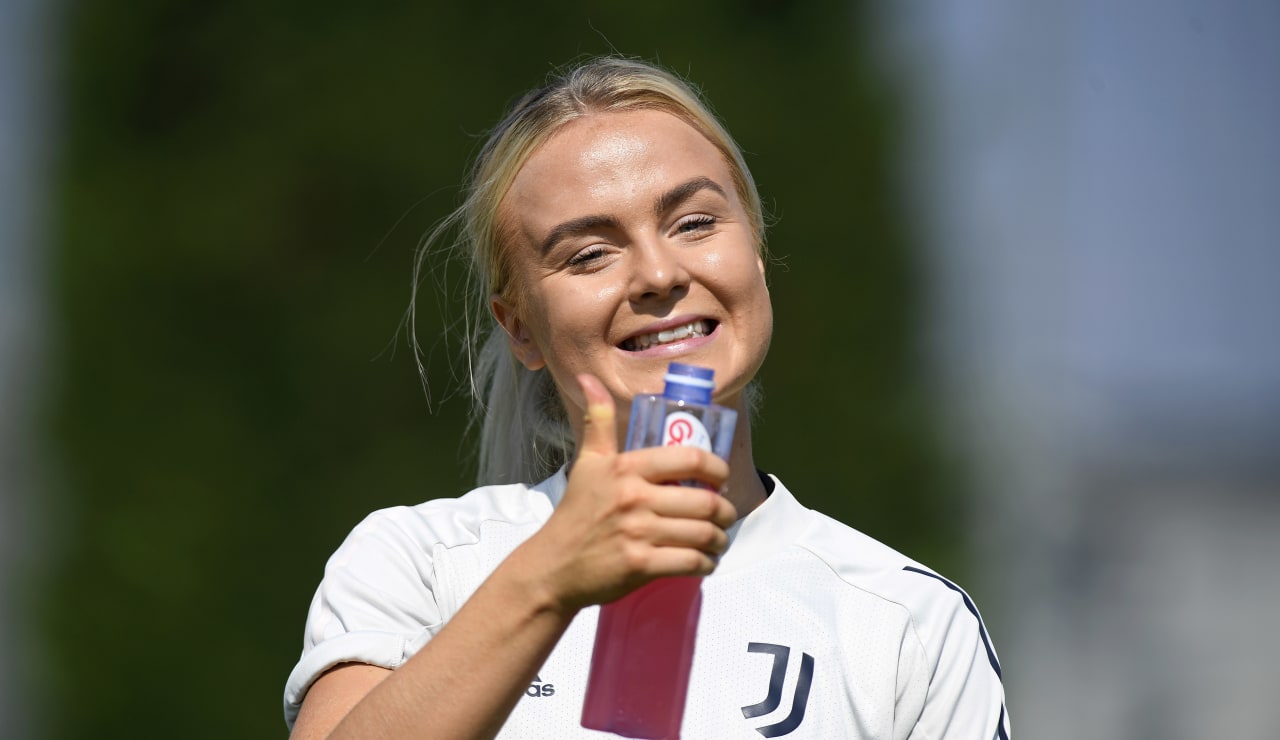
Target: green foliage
column 242, row 186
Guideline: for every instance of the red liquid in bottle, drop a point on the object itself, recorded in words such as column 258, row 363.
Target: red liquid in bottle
column 645, row 640
column 640, row 667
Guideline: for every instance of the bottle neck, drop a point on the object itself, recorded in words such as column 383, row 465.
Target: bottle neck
column 686, row 393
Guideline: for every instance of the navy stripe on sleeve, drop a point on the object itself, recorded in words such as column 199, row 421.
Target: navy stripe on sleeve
column 982, row 629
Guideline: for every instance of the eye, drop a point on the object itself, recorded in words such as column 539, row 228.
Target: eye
column 590, row 254
column 694, row 223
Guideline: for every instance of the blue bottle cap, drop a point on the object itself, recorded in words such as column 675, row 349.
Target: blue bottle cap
column 689, row 383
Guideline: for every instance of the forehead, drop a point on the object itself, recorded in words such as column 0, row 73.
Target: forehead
column 608, row 164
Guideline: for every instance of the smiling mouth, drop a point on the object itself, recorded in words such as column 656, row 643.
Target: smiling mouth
column 699, row 328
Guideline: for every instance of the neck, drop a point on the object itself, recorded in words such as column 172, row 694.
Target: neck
column 745, row 490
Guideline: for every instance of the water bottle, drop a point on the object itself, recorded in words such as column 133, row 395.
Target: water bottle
column 644, row 640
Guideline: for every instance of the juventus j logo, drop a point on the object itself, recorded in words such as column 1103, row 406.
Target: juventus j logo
column 781, row 656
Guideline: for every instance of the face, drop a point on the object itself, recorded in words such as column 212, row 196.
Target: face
column 630, row 249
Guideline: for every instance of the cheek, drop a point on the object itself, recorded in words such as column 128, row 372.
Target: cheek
column 737, row 273
column 605, row 296
column 743, row 285
column 579, row 316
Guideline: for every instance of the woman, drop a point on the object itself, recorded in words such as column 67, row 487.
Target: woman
column 614, row 228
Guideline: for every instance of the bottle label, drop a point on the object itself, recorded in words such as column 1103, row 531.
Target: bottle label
column 682, row 429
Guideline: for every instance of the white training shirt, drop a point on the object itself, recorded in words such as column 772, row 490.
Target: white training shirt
column 886, row 648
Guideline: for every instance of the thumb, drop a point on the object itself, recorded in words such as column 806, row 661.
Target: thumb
column 600, row 426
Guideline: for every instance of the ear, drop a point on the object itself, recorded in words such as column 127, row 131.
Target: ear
column 518, row 337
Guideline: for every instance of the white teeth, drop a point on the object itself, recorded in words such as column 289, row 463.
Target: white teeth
column 645, row 341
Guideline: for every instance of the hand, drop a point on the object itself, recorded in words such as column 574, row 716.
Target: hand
column 621, row 524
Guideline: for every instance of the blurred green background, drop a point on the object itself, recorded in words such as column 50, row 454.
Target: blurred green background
column 240, row 188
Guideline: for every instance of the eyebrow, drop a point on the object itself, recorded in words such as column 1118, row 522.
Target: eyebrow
column 684, row 191
column 668, row 200
column 573, row 227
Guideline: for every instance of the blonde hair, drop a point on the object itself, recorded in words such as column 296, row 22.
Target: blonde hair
column 524, row 435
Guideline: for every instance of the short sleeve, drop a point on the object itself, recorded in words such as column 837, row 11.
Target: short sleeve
column 964, row 699
column 377, row 604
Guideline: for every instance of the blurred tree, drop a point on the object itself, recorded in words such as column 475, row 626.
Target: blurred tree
column 242, row 186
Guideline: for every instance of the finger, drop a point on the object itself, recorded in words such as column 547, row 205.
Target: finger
column 600, row 425
column 688, row 502
column 669, row 464
column 692, row 533
column 680, row 561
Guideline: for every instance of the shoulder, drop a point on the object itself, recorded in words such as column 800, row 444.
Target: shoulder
column 450, row 522
column 869, row 565
column 949, row 676
column 444, row 523
column 390, row 563
column 938, row 609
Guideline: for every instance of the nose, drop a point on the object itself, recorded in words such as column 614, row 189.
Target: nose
column 657, row 271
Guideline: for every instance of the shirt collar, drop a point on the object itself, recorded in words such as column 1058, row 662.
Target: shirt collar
column 773, row 526
column 553, row 487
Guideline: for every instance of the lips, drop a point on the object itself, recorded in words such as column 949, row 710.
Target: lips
column 694, row 328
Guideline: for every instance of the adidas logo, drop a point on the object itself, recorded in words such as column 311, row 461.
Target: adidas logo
column 538, row 688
